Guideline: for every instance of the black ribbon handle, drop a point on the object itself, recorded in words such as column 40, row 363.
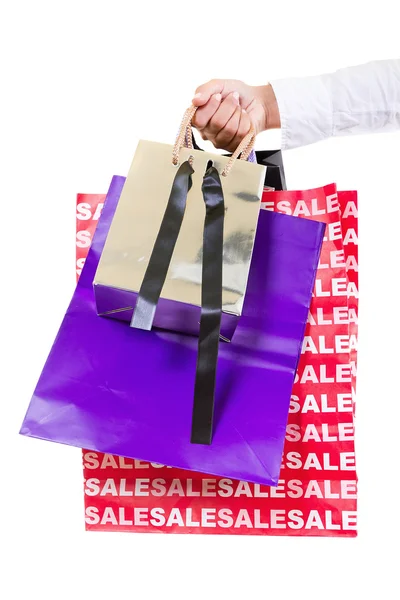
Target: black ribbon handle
column 157, row 269
column 211, row 290
column 211, row 308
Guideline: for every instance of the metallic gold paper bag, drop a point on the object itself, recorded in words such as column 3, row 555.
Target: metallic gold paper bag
column 137, row 222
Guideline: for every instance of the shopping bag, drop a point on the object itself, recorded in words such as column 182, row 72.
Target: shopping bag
column 119, row 390
column 316, row 492
column 88, row 211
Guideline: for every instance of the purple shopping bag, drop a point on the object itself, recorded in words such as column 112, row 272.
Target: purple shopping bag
column 114, row 389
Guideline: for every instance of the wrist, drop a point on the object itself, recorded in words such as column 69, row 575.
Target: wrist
column 269, row 103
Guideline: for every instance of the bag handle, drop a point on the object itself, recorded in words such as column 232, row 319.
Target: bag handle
column 184, row 139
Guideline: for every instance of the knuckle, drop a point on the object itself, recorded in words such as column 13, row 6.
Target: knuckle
column 199, row 122
column 217, row 123
column 236, row 141
column 223, row 140
column 206, row 87
column 230, row 130
column 245, row 125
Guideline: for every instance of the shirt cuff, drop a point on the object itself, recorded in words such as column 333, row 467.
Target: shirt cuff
column 305, row 108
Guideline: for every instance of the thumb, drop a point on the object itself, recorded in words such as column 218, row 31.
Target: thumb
column 215, row 86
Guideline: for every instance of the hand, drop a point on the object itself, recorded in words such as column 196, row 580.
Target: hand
column 227, row 109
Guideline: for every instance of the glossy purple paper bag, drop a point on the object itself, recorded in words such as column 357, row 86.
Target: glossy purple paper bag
column 111, row 388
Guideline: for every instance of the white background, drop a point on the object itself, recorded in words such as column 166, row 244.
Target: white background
column 81, row 82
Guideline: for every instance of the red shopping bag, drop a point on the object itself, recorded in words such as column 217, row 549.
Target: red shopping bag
column 316, row 494
column 88, row 211
column 349, row 217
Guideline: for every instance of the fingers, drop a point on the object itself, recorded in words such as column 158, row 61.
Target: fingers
column 213, row 117
column 223, row 122
column 243, row 129
column 235, row 130
column 224, row 138
column 205, row 91
column 223, row 114
column 205, row 113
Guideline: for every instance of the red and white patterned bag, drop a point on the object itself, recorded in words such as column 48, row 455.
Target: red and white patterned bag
column 317, row 490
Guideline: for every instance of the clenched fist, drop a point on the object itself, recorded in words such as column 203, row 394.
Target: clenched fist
column 227, row 109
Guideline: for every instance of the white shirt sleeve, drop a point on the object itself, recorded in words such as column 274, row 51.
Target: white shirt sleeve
column 355, row 100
